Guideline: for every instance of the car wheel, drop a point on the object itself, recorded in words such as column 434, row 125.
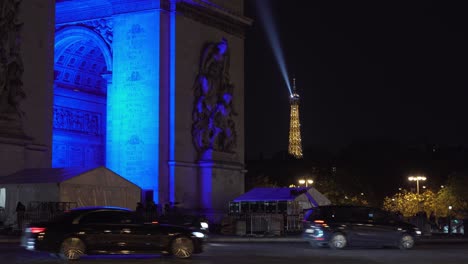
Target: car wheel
column 338, row 241
column 72, row 248
column 406, row 242
column 182, row 247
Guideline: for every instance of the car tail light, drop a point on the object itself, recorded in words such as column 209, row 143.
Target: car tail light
column 36, row 230
column 320, row 223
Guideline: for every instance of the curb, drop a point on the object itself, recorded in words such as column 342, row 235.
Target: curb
column 10, row 240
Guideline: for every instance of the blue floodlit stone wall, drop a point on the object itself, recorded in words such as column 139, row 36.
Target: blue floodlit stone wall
column 133, row 99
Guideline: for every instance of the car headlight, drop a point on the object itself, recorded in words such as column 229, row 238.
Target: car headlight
column 198, row 234
column 204, row 225
column 309, row 231
column 418, row 232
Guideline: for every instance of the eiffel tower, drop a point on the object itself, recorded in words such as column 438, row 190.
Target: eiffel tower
column 295, row 144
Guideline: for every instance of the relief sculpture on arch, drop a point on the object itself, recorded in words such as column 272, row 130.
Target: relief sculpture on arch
column 11, row 64
column 213, row 123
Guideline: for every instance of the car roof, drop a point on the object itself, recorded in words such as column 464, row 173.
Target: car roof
column 346, row 206
column 99, row 208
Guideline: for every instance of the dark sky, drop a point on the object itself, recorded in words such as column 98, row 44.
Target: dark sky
column 366, row 70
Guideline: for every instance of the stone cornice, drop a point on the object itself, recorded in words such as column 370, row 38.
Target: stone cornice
column 235, row 166
column 222, row 19
column 198, row 10
column 84, row 10
column 72, row 11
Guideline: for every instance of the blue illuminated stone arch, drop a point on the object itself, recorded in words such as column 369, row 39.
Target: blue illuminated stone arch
column 71, row 34
column 82, row 57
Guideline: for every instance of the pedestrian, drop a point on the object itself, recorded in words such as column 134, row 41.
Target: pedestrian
column 140, row 210
column 20, row 211
column 151, row 211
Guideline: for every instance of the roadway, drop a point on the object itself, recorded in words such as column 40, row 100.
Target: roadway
column 272, row 253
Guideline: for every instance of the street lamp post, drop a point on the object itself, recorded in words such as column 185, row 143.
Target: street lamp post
column 417, row 179
column 449, row 226
column 306, row 181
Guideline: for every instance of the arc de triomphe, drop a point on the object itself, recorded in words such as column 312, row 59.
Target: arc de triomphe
column 151, row 89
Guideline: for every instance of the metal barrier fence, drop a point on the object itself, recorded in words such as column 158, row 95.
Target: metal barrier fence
column 294, row 223
column 262, row 224
column 44, row 211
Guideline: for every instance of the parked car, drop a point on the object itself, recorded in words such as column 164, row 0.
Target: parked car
column 341, row 226
column 109, row 230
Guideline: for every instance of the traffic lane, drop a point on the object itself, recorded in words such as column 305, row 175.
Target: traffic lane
column 273, row 253
column 282, row 253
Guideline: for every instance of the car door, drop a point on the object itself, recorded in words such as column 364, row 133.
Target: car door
column 362, row 231
column 373, row 229
column 96, row 230
column 386, row 231
column 112, row 230
column 143, row 236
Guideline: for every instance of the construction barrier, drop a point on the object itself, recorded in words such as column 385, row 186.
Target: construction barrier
column 261, row 224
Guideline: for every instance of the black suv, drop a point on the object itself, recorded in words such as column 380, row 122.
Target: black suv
column 342, row 226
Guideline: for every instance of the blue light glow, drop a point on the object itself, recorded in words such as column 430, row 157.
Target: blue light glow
column 172, row 96
column 206, row 173
column 79, row 117
column 133, row 100
column 265, row 17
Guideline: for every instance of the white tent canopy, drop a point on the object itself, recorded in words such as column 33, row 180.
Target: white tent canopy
column 82, row 187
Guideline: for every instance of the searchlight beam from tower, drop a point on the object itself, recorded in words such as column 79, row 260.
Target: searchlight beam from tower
column 265, row 18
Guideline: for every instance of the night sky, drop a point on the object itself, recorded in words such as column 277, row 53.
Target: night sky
column 366, row 70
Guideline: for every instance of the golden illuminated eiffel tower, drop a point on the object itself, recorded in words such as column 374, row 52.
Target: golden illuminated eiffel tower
column 295, row 144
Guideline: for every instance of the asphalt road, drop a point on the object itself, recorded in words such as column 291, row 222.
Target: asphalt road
column 271, row 253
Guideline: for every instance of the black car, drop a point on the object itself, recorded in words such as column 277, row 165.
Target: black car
column 342, row 226
column 109, row 230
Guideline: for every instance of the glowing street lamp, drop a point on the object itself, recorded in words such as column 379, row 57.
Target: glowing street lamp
column 417, row 179
column 306, row 182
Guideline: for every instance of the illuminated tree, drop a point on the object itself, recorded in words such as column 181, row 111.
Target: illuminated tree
column 404, row 202
column 409, row 203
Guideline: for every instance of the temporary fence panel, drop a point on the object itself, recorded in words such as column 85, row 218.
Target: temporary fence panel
column 265, row 224
column 44, row 211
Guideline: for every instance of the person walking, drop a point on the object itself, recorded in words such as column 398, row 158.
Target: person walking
column 20, row 211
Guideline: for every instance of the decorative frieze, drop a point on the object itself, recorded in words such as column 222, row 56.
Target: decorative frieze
column 103, row 26
column 76, row 120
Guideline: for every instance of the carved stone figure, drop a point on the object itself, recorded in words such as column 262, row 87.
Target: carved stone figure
column 213, row 124
column 11, row 65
